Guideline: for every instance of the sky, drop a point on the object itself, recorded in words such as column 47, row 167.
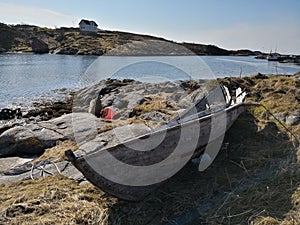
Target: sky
column 262, row 25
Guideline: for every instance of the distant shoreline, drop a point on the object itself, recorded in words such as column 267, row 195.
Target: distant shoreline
column 70, row 41
column 32, row 53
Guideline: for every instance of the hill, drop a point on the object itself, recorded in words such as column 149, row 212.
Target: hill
column 70, row 41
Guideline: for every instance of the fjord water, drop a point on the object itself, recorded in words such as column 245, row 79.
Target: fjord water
column 27, row 76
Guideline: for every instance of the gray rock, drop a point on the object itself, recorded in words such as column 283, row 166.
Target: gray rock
column 12, row 123
column 280, row 116
column 92, row 106
column 6, row 164
column 68, row 170
column 12, row 178
column 35, row 138
column 57, row 51
column 31, row 139
column 81, row 52
column 39, row 46
column 293, row 119
column 19, row 169
column 124, row 96
column 41, row 169
column 82, row 99
column 96, row 52
column 66, row 51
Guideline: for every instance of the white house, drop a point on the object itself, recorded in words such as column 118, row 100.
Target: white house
column 88, row 26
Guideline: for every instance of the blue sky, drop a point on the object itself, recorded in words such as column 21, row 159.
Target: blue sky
column 232, row 24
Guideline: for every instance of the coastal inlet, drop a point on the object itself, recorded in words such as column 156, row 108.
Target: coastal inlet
column 25, row 78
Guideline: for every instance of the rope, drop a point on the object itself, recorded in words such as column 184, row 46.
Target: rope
column 42, row 166
column 282, row 124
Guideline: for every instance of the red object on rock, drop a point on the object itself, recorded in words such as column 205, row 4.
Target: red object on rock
column 108, row 113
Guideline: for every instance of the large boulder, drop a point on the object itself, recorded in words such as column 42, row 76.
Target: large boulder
column 35, row 138
column 39, row 46
column 11, row 162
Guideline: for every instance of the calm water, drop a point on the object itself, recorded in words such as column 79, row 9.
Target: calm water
column 27, row 76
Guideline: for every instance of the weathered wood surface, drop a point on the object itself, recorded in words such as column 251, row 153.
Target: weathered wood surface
column 181, row 136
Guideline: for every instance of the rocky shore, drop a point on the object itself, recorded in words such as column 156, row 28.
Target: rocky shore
column 257, row 163
column 139, row 106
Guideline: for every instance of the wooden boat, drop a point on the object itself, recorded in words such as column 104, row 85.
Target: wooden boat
column 183, row 138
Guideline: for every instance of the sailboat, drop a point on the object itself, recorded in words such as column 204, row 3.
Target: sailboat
column 273, row 56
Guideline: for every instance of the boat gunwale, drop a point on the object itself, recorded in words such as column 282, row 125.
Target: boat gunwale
column 157, row 132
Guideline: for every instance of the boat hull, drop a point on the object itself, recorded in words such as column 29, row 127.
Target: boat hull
column 123, row 152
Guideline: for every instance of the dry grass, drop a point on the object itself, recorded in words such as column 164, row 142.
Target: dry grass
column 291, row 218
column 279, row 94
column 151, row 104
column 272, row 201
column 267, row 221
column 52, row 200
column 58, row 152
